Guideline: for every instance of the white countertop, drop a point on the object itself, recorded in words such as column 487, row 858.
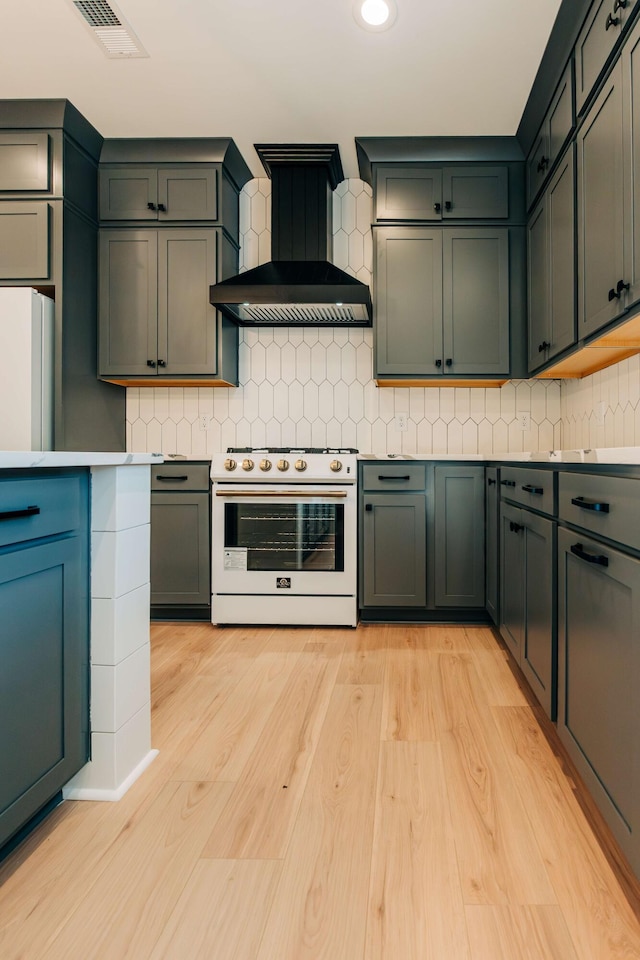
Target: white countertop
column 29, row 459
column 623, row 455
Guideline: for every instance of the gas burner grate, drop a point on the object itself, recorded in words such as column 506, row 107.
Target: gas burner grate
column 327, row 450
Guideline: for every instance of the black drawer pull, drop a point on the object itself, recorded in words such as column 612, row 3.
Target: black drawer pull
column 437, row 207
column 529, row 489
column 368, row 507
column 578, row 550
column 590, row 504
column 162, row 207
column 508, row 483
column 490, row 481
column 611, row 22
column 161, row 476
column 15, row 514
column 382, row 477
column 620, row 5
column 151, row 206
column 515, row 527
column 448, row 205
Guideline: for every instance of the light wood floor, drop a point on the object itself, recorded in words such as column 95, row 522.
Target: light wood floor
column 385, row 792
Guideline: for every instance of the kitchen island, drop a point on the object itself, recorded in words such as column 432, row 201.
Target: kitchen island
column 84, row 519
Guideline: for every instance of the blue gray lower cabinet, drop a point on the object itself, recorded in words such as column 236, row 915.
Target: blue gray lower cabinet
column 492, row 542
column 44, row 642
column 421, row 540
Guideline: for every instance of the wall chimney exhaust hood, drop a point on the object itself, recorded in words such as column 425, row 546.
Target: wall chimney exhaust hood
column 299, row 286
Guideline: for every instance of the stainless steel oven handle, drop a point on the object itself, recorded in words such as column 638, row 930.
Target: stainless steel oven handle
column 288, row 494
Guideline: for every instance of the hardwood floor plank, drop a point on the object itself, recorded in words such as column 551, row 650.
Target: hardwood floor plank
column 259, row 817
column 124, row 913
column 229, row 735
column 212, row 920
column 323, row 888
column 497, row 852
column 498, row 687
column 599, row 917
column 364, row 655
column 519, row 933
column 410, row 695
column 415, row 906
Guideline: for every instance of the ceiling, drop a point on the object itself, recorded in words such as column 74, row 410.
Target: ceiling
column 284, row 71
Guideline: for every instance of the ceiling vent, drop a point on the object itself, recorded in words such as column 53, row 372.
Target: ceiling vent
column 110, row 29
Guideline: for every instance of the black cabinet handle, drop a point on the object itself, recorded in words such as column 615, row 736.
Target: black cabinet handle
column 490, row 481
column 611, row 22
column 161, row 476
column 620, row 5
column 543, row 163
column 613, row 294
column 15, row 514
column 383, row 477
column 543, row 346
column 529, row 489
column 448, row 205
column 151, row 363
column 620, row 286
column 515, row 527
column 438, row 363
column 448, row 361
column 508, row 483
column 151, row 206
column 437, row 207
column 590, row 504
column 368, row 507
column 162, row 363
column 162, row 207
column 578, row 550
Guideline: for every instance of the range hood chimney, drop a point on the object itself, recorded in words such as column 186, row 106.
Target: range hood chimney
column 299, row 286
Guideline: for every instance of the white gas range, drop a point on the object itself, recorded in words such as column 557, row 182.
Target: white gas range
column 284, row 536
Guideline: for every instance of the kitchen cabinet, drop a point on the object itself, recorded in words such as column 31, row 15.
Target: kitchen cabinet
column 459, row 536
column 462, row 192
column 24, row 161
column 442, row 301
column 551, row 137
column 527, row 587
column 134, row 192
column 181, row 540
column 599, row 36
column 492, row 542
column 599, row 654
column 44, row 698
column 155, row 317
column 24, row 241
column 551, row 268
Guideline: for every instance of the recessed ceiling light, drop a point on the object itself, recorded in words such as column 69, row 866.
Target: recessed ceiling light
column 375, row 14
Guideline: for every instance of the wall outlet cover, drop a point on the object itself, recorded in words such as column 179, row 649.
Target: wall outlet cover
column 401, row 421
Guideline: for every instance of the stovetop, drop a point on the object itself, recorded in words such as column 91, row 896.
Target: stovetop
column 327, row 450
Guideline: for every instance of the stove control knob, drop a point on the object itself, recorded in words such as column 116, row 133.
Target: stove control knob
column 283, row 465
column 336, row 466
column 230, row 464
column 301, row 465
column 247, row 464
column 265, row 465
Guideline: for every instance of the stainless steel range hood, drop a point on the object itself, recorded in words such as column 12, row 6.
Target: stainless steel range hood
column 299, row 286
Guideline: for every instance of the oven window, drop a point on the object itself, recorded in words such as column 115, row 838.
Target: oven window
column 287, row 536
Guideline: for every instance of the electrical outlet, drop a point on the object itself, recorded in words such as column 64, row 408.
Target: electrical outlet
column 204, row 420
column 524, row 419
column 401, row 421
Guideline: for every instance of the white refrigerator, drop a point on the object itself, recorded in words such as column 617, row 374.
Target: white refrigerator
column 26, row 369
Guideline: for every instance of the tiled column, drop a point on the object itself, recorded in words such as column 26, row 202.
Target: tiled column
column 120, row 667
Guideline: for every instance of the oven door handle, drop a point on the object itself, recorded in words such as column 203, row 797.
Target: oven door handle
column 288, row 494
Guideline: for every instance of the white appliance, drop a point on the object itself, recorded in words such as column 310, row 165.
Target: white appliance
column 26, row 369
column 284, row 536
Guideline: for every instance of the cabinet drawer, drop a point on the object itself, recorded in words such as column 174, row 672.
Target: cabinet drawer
column 393, row 476
column 531, row 488
column 24, row 162
column 183, row 476
column 39, row 507
column 609, row 506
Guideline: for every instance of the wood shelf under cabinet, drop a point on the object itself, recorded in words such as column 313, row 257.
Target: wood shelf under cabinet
column 618, row 344
column 441, row 382
column 168, row 382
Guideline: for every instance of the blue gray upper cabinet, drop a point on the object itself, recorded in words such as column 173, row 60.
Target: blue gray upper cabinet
column 463, row 192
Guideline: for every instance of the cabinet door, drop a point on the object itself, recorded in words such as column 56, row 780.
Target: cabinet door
column 601, row 209
column 408, row 300
column 187, row 193
column 187, row 324
column 598, row 674
column 180, row 551
column 44, row 677
column 480, row 193
column 538, row 163
column 561, row 220
column 492, row 531
column 538, row 284
column 512, row 597
column 24, row 161
column 394, row 550
column 538, row 652
column 24, row 241
column 129, row 193
column 128, row 302
column 459, row 536
column 599, row 35
column 408, row 193
column 476, row 300
column 631, row 90
column 560, row 114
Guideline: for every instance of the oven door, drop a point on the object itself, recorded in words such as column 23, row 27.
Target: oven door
column 269, row 540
